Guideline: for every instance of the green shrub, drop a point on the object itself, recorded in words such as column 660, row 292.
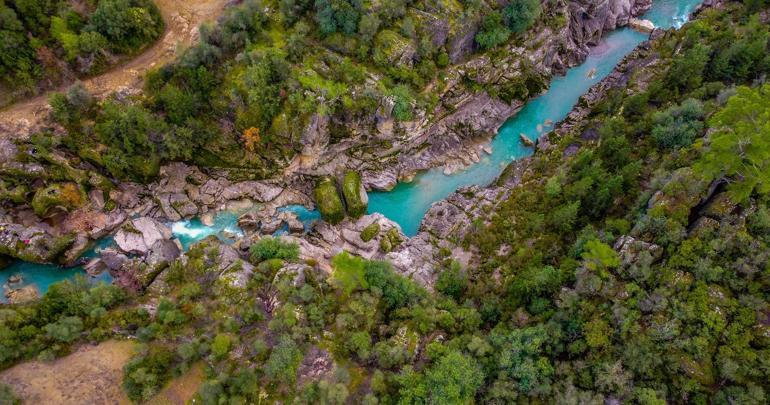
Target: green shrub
column 269, row 247
column 390, row 241
column 221, row 345
column 145, row 374
column 7, row 396
column 492, row 32
column 678, row 126
column 127, row 24
column 521, row 14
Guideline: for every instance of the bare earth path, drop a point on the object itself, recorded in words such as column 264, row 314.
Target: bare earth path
column 182, row 18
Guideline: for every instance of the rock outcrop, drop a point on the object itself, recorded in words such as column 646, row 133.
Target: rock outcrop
column 31, row 243
column 22, row 295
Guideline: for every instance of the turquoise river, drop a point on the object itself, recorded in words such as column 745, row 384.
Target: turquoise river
column 408, row 202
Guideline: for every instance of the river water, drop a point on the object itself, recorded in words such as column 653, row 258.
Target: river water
column 408, row 202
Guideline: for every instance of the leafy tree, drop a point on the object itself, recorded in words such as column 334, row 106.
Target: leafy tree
column 337, row 16
column 492, row 32
column 281, row 366
column 454, row 379
column 451, row 281
column 396, row 291
column 264, row 81
column 220, row 347
column 18, row 66
column 127, row 24
column 519, row 15
column 521, row 355
column 147, row 373
column 128, row 131
column 740, row 148
column 686, row 72
column 66, row 329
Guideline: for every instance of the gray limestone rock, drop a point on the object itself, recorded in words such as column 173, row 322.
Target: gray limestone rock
column 138, row 235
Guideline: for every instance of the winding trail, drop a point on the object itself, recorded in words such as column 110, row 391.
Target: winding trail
column 182, row 18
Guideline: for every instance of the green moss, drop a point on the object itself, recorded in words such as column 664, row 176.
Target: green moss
column 65, row 196
column 329, row 202
column 370, row 232
column 355, row 202
column 16, row 194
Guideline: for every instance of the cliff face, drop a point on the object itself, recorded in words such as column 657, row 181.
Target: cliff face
column 588, row 20
column 452, row 133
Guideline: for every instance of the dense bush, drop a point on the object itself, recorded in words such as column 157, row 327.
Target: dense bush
column 679, row 125
column 147, row 373
column 269, row 247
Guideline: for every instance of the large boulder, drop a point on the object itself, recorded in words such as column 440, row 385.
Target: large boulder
column 329, row 202
column 163, row 252
column 138, row 235
column 22, row 295
column 233, row 273
column 356, row 199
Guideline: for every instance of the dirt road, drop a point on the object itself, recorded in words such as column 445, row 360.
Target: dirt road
column 182, row 19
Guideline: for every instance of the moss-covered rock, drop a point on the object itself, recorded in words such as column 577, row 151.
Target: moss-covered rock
column 58, row 196
column 390, row 240
column 356, row 199
column 32, row 244
column 329, row 202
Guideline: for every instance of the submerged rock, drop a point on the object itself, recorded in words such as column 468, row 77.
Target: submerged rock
column 526, row 141
column 641, row 25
